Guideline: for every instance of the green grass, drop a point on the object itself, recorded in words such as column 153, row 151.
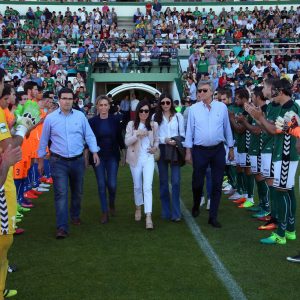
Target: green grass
column 121, row 260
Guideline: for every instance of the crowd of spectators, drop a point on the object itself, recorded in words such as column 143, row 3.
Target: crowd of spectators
column 233, row 48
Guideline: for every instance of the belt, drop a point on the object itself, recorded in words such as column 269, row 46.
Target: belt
column 208, row 147
column 66, row 158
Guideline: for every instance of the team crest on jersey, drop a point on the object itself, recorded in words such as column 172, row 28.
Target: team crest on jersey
column 3, row 128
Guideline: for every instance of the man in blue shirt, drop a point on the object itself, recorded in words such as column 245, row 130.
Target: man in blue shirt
column 208, row 128
column 67, row 130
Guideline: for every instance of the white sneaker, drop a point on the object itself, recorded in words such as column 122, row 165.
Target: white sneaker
column 139, row 71
column 131, row 71
column 230, row 192
column 227, row 187
column 41, row 189
column 235, row 196
column 44, row 185
column 202, row 201
column 208, row 204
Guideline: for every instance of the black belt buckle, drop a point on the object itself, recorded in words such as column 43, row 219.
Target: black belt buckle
column 208, row 147
column 66, row 158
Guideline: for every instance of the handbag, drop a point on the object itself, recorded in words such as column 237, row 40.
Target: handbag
column 175, row 154
column 156, row 154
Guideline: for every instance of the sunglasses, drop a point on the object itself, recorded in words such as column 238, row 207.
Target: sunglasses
column 202, row 90
column 165, row 103
column 146, row 111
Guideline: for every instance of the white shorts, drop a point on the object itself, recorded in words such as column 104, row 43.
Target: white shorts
column 284, row 174
column 232, row 162
column 267, row 165
column 243, row 160
column 255, row 162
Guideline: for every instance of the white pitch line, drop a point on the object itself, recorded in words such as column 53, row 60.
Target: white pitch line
column 224, row 275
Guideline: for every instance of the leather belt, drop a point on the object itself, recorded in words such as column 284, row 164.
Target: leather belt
column 66, row 158
column 208, row 147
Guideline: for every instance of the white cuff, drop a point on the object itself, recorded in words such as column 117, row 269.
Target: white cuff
column 21, row 130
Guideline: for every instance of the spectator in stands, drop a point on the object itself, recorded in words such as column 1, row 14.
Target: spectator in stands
column 164, row 59
column 294, row 65
column 124, row 59
column 113, row 59
column 156, row 7
column 145, row 59
column 192, row 90
column 102, row 61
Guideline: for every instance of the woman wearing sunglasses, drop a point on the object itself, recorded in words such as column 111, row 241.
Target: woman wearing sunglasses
column 142, row 141
column 171, row 124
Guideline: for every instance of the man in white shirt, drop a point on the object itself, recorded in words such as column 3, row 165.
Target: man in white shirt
column 124, row 59
column 134, row 102
column 145, row 59
column 208, row 128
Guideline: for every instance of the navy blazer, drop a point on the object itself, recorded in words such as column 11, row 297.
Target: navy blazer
column 117, row 137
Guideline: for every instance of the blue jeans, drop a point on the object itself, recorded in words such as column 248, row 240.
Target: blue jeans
column 106, row 174
column 123, row 66
column 169, row 210
column 64, row 172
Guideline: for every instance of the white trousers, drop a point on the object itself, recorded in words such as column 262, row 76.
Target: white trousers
column 142, row 175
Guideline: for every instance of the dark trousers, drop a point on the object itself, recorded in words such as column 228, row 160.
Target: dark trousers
column 106, row 174
column 65, row 174
column 202, row 157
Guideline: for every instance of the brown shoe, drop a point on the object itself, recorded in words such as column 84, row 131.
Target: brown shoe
column 76, row 221
column 138, row 213
column 61, row 234
column 104, row 218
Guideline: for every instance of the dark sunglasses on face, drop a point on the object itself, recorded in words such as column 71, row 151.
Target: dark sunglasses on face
column 202, row 90
column 146, row 111
column 165, row 102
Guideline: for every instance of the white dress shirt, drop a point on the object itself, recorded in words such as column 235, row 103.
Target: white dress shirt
column 168, row 129
column 208, row 127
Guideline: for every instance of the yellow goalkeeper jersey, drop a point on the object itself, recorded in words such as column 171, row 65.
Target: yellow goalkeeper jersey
column 8, row 195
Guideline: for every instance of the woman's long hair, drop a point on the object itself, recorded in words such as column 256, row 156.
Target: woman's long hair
column 159, row 112
column 137, row 116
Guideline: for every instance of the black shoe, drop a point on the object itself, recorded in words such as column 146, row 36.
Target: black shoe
column 214, row 223
column 294, row 259
column 195, row 210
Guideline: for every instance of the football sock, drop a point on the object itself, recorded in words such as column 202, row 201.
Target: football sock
column 283, row 203
column 273, row 201
column 232, row 176
column 244, row 183
column 35, row 173
column 263, row 191
column 250, row 186
column 47, row 172
column 19, row 183
column 291, row 216
column 239, row 186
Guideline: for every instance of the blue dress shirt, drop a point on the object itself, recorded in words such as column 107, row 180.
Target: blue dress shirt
column 67, row 133
column 208, row 127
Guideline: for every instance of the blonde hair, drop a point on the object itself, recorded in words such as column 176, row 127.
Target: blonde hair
column 101, row 97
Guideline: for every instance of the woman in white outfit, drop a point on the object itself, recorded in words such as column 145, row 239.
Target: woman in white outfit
column 142, row 141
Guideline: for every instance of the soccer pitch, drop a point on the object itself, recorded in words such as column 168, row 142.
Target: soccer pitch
column 121, row 260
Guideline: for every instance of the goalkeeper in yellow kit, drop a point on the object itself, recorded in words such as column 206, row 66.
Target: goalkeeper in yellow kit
column 26, row 119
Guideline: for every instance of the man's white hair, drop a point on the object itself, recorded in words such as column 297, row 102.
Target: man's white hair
column 206, row 82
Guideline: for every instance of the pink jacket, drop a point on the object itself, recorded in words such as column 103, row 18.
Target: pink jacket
column 133, row 142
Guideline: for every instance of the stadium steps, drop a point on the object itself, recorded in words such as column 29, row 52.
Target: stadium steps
column 125, row 23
